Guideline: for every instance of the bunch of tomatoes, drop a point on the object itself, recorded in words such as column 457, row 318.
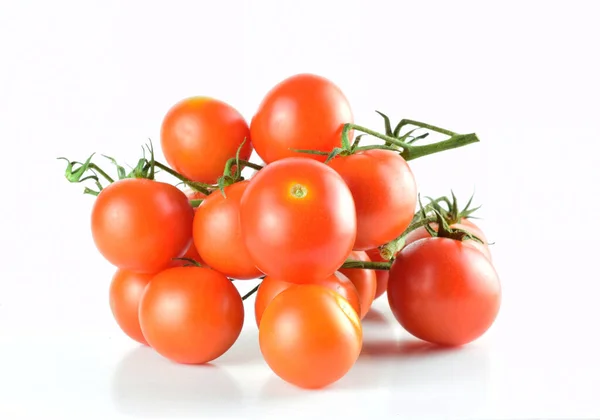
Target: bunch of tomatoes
column 328, row 224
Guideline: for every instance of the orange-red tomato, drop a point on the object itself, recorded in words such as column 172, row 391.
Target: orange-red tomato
column 310, row 336
column 384, row 191
column 191, row 315
column 125, row 292
column 298, row 220
column 198, row 136
column 382, row 275
column 217, row 234
column 271, row 287
column 304, row 111
column 365, row 282
column 141, row 225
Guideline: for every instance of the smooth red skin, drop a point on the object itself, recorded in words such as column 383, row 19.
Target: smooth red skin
column 309, row 336
column 365, row 282
column 292, row 238
column 141, row 225
column 305, row 111
column 382, row 275
column 444, row 292
column 217, row 234
column 198, row 136
column 384, row 191
column 125, row 293
column 271, row 287
column 191, row 315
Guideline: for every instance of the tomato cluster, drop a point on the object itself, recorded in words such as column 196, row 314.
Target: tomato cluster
column 326, row 223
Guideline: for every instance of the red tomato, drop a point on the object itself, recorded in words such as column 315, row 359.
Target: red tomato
column 298, row 220
column 191, row 315
column 365, row 282
column 217, row 234
column 382, row 275
column 310, row 336
column 271, row 287
column 443, row 291
column 141, row 225
column 125, row 292
column 199, row 135
column 304, row 111
column 384, row 191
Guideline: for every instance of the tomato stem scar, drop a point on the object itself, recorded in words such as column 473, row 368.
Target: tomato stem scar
column 299, row 191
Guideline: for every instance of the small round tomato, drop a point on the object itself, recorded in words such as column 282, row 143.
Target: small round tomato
column 141, row 225
column 198, row 136
column 365, row 282
column 310, row 336
column 305, row 111
column 298, row 220
column 384, row 191
column 443, row 291
column 125, row 292
column 382, row 275
column 271, row 287
column 217, row 234
column 191, row 315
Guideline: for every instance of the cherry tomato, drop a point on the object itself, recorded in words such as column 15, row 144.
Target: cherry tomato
column 125, row 292
column 365, row 282
column 199, row 135
column 141, row 225
column 310, row 336
column 382, row 275
column 443, row 291
column 298, row 220
column 191, row 315
column 384, row 191
column 217, row 234
column 305, row 111
column 271, row 287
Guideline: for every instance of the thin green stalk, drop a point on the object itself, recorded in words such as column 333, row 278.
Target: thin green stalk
column 370, row 265
column 198, row 186
column 96, row 168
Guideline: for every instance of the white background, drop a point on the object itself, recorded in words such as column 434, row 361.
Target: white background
column 97, row 76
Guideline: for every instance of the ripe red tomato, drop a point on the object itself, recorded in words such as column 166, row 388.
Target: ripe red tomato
column 298, row 220
column 191, row 315
column 443, row 291
column 125, row 292
column 310, row 336
column 365, row 282
column 384, row 191
column 199, row 135
column 271, row 287
column 382, row 275
column 304, row 111
column 141, row 225
column 217, row 234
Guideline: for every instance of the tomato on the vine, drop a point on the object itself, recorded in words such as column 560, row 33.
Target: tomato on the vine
column 191, row 315
column 384, row 191
column 310, row 336
column 125, row 293
column 271, row 287
column 382, row 275
column 443, row 291
column 141, row 225
column 304, row 111
column 298, row 220
column 198, row 136
column 364, row 280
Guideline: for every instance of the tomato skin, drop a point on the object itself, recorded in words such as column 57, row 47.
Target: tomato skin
column 141, row 225
column 271, row 287
column 198, row 136
column 310, row 336
column 444, row 292
column 365, row 282
column 313, row 231
column 304, row 111
column 191, row 315
column 217, row 234
column 384, row 191
column 382, row 275
column 125, row 293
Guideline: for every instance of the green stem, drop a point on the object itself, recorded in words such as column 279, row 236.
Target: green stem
column 426, row 126
column 233, row 161
column 251, row 292
column 96, row 168
column 388, row 139
column 369, row 265
column 375, row 146
column 456, row 141
column 198, row 186
column 196, row 203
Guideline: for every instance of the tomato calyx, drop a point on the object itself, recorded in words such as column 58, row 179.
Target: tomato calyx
column 231, row 176
column 445, row 231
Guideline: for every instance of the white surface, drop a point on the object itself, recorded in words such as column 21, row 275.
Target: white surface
column 79, row 77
